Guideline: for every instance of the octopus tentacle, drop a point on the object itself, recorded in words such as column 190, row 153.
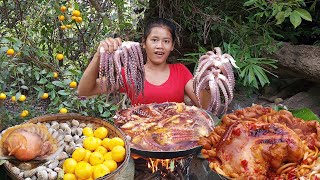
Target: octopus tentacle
column 220, row 66
column 225, row 94
column 227, row 86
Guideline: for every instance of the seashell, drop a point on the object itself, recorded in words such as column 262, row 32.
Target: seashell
column 34, row 177
column 49, row 170
column 26, row 166
column 78, row 145
column 67, row 130
column 47, row 125
column 90, row 125
column 79, row 141
column 69, row 123
column 78, row 131
column 61, row 143
column 15, row 170
column 57, row 169
column 60, row 131
column 42, row 175
column 29, row 173
column 55, row 125
column 68, row 138
column 76, row 137
column 69, row 149
column 54, row 164
column 75, row 123
column 21, row 175
column 51, row 130
column 82, row 125
column 63, row 126
column 28, row 178
column 60, row 137
column 62, row 156
column 53, row 175
column 40, row 168
column 55, row 134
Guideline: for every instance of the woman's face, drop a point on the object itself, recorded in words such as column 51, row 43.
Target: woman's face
column 158, row 45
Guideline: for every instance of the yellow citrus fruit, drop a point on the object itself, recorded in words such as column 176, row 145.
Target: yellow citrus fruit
column 63, row 110
column 87, row 156
column 73, row 17
column 76, row 13
column 107, row 156
column 116, row 141
column 44, row 96
column 96, row 158
column 69, row 176
column 79, row 154
column 69, row 165
column 3, row 96
column 55, row 74
column 61, row 18
column 13, row 98
column 23, row 114
column 90, row 143
column 99, row 141
column 26, row 112
column 69, row 26
column 79, row 19
column 73, row 84
column 111, row 164
column 59, row 56
column 101, row 150
column 87, row 131
column 118, row 153
column 83, row 170
column 63, row 9
column 10, row 52
column 22, row 98
column 105, row 142
column 63, row 27
column 100, row 170
column 101, row 132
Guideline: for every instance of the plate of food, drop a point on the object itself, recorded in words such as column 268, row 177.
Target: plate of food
column 165, row 130
column 261, row 143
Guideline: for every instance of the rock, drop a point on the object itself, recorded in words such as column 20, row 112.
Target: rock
column 309, row 99
column 301, row 61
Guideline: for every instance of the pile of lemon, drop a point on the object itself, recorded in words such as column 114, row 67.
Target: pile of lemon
column 99, row 156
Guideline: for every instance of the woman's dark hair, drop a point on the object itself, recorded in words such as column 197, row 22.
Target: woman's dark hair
column 160, row 22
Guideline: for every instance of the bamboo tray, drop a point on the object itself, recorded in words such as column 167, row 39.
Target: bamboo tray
column 113, row 131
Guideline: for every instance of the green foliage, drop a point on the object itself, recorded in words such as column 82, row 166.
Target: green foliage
column 245, row 29
column 33, row 30
column 279, row 10
column 305, row 114
column 193, row 58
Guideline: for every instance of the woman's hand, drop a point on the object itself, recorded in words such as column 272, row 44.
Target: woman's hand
column 110, row 44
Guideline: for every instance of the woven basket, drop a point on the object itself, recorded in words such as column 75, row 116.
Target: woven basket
column 112, row 132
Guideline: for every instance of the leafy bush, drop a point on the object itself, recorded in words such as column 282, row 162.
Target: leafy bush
column 40, row 30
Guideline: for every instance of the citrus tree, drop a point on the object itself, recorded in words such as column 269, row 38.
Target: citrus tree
column 45, row 47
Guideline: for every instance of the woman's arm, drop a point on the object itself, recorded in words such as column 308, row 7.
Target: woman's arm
column 204, row 95
column 90, row 83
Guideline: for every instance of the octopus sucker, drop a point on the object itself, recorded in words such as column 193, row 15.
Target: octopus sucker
column 164, row 127
column 215, row 72
column 27, row 142
column 129, row 58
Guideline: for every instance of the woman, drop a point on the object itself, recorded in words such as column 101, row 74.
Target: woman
column 163, row 82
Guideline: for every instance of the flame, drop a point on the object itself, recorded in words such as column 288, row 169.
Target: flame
column 156, row 164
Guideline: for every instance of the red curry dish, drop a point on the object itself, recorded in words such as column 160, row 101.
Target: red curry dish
column 261, row 143
column 165, row 126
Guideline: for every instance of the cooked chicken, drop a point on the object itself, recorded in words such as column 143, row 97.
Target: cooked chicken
column 249, row 149
column 26, row 142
